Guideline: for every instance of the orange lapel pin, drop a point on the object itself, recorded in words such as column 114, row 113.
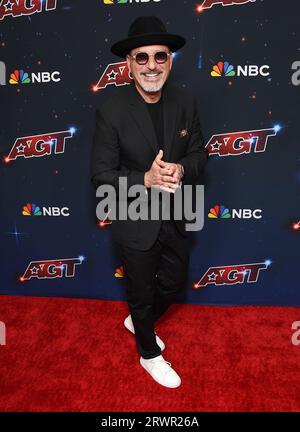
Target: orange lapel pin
column 183, row 132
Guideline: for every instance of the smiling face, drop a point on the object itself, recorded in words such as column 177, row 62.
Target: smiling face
column 151, row 77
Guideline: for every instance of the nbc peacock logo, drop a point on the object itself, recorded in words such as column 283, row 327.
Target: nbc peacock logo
column 31, row 210
column 222, row 69
column 217, row 212
column 19, row 77
column 113, row 1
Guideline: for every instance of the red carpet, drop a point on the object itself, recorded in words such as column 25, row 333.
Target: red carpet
column 75, row 355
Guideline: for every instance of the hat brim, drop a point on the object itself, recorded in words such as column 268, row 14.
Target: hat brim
column 124, row 46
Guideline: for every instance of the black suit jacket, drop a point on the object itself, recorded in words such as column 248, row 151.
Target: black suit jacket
column 125, row 144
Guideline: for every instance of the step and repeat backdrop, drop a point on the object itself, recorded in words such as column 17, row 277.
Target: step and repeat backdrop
column 241, row 60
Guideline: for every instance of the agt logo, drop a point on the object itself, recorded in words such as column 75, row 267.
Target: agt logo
column 230, row 275
column 115, row 73
column 296, row 74
column 50, row 269
column 221, row 212
column 226, row 69
column 207, row 4
column 34, row 210
column 25, row 7
column 110, row 2
column 238, row 143
column 39, row 145
column 20, row 77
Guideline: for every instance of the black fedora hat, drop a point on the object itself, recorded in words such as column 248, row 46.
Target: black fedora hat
column 147, row 30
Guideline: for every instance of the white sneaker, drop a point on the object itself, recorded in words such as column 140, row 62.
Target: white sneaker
column 129, row 325
column 161, row 371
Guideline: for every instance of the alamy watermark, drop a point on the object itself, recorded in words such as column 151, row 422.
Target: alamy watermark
column 296, row 75
column 121, row 206
column 2, row 333
column 295, row 339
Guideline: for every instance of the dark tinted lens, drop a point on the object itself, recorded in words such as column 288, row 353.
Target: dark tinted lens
column 142, row 58
column 161, row 56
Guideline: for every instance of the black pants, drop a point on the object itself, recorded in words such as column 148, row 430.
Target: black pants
column 153, row 278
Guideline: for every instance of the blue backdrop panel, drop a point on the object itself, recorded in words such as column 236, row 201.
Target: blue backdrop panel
column 242, row 62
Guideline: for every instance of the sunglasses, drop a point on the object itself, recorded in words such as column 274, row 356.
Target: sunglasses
column 142, row 58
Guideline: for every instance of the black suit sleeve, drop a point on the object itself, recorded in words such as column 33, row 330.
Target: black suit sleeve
column 105, row 159
column 197, row 155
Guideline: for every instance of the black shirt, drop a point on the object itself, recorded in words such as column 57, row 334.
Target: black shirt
column 156, row 113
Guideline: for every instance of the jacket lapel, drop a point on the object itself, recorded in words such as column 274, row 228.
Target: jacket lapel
column 141, row 116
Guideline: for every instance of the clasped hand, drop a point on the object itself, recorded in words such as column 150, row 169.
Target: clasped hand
column 163, row 175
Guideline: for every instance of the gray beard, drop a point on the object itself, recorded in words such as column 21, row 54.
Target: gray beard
column 152, row 88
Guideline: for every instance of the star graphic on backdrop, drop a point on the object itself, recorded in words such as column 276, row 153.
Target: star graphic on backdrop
column 8, row 6
column 216, row 146
column 20, row 148
column 34, row 270
column 212, row 276
column 112, row 75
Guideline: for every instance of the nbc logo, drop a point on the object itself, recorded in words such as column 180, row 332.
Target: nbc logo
column 19, row 76
column 34, row 210
column 110, row 2
column 226, row 69
column 222, row 212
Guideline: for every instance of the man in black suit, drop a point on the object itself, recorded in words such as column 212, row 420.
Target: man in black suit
column 149, row 133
